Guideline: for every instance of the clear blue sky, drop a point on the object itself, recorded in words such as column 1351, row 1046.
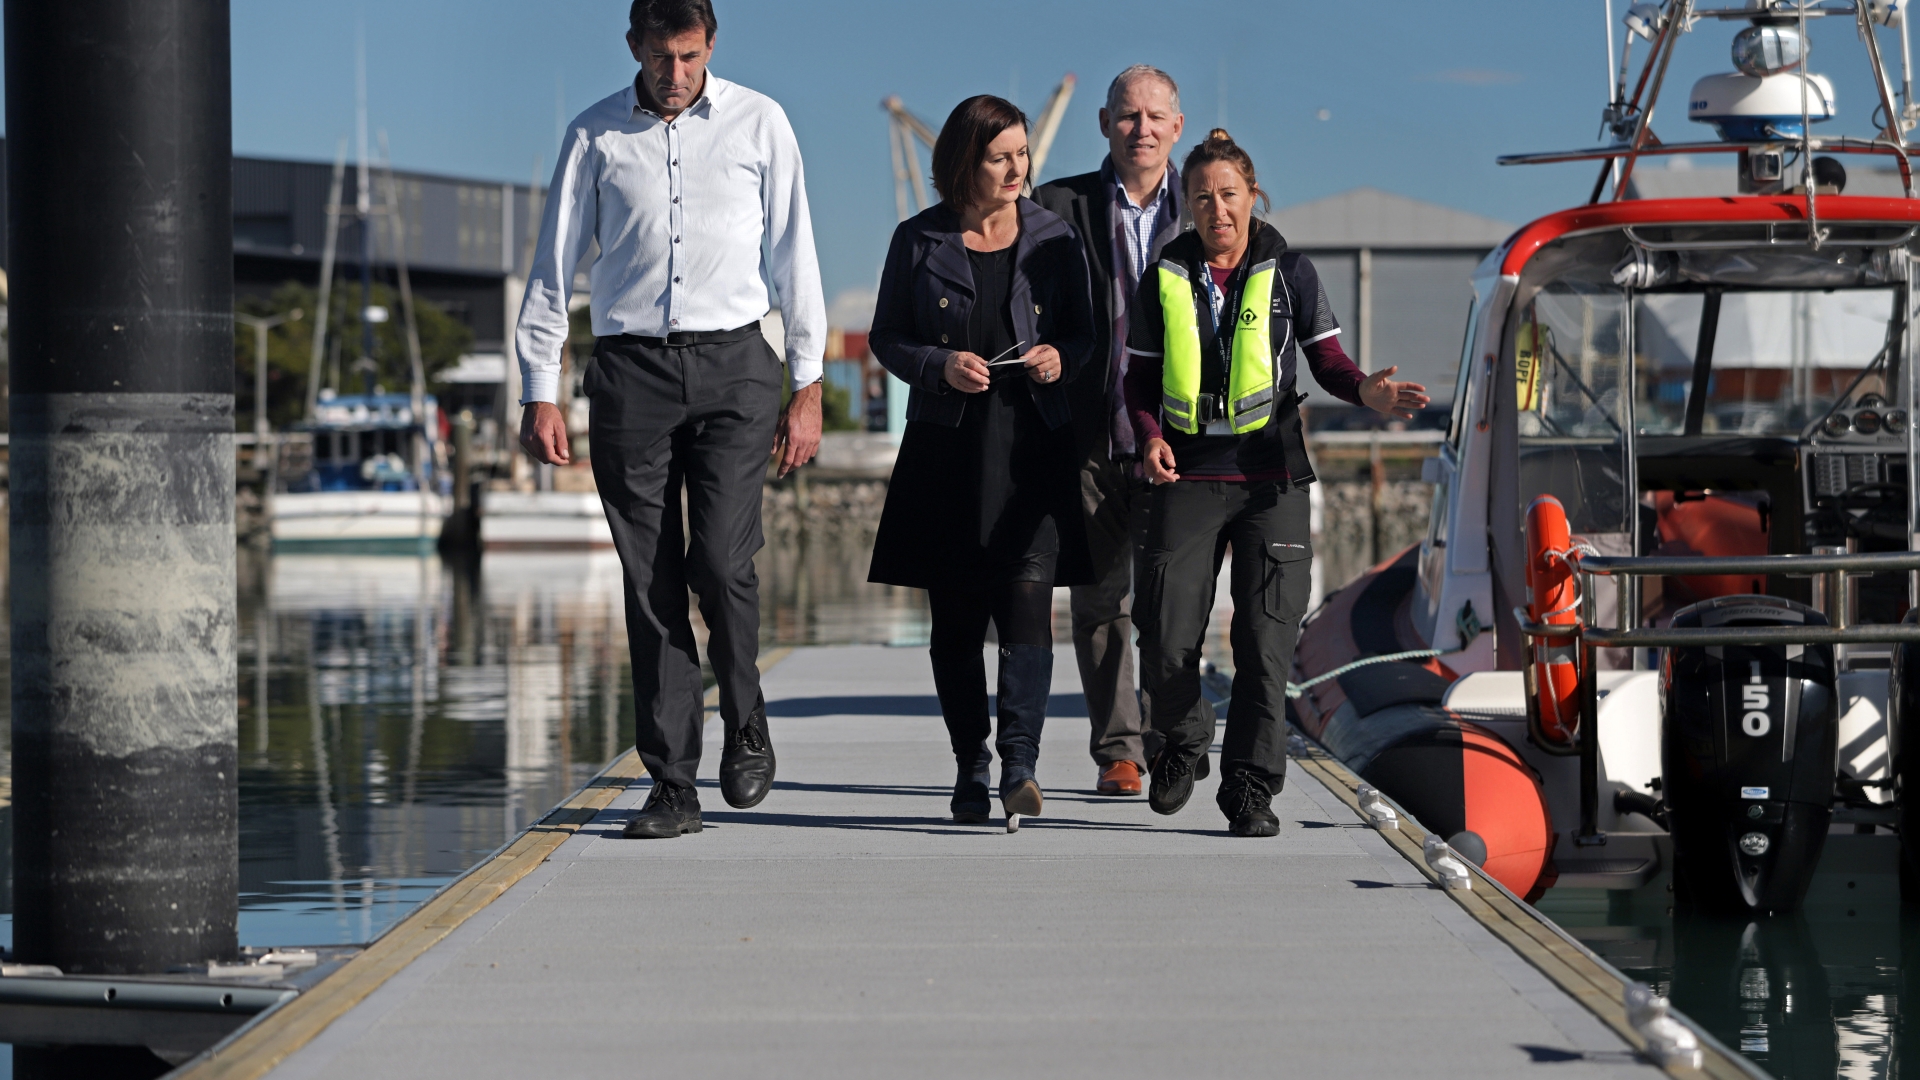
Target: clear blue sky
column 1421, row 95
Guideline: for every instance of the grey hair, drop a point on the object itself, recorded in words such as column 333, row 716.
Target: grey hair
column 1140, row 71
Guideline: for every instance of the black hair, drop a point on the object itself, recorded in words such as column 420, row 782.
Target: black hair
column 962, row 144
column 670, row 18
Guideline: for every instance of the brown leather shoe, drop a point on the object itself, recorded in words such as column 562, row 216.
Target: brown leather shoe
column 1120, row 778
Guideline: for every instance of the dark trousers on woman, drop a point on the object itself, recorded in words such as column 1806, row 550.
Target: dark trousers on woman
column 696, row 418
column 1022, row 617
column 1190, row 526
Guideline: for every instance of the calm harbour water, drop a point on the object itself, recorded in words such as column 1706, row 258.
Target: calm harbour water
column 401, row 718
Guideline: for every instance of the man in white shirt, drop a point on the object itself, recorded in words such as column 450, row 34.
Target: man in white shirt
column 684, row 179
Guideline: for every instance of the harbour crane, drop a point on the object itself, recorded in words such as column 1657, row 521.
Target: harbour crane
column 904, row 129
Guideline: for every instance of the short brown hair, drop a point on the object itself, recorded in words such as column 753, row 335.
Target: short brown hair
column 670, row 18
column 1219, row 146
column 962, row 144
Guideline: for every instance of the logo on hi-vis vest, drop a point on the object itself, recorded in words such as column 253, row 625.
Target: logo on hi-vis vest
column 1754, row 701
column 1246, row 317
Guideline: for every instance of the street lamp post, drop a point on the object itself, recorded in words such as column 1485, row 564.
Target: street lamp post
column 260, row 327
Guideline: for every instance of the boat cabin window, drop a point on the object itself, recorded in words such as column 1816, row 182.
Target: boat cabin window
column 1463, row 377
column 1774, row 361
column 1568, row 350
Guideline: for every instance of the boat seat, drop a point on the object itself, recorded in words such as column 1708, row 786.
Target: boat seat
column 1691, row 463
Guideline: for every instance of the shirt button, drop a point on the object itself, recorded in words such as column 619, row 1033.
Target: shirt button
column 676, row 239
column 676, row 281
column 943, row 301
column 676, row 198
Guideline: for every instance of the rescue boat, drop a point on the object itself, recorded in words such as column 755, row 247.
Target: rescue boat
column 1663, row 612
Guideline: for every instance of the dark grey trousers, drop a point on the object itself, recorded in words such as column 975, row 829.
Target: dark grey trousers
column 1190, row 525
column 699, row 419
column 1115, row 507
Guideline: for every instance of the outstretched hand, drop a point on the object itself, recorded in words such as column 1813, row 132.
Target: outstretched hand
column 1400, row 400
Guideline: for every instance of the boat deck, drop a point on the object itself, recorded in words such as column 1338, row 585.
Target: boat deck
column 844, row 928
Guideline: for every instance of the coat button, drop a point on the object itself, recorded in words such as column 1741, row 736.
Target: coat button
column 1036, row 309
column 943, row 301
column 943, row 339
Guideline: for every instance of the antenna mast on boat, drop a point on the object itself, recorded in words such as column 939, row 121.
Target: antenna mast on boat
column 327, row 252
column 417, row 372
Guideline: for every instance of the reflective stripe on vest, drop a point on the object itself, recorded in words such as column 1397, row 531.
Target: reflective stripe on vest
column 1250, row 369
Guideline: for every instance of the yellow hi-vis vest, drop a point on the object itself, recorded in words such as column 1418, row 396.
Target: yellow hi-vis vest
column 1250, row 367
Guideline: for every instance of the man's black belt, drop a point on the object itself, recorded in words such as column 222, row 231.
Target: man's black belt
column 691, row 337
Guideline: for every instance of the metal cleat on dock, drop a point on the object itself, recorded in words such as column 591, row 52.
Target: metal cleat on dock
column 1669, row 1042
column 1374, row 806
column 1444, row 861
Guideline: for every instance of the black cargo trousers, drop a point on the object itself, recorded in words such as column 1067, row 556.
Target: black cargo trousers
column 692, row 413
column 1190, row 526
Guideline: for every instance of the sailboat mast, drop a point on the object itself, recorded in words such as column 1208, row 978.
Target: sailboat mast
column 363, row 208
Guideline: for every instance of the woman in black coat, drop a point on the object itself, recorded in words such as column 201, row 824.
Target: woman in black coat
column 984, row 312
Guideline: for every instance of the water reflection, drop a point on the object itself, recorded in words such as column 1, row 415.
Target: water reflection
column 1811, row 995
column 401, row 718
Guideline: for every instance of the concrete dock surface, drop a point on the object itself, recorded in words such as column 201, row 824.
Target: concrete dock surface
column 845, row 928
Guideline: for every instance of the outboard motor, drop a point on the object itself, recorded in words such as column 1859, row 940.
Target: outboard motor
column 1748, row 747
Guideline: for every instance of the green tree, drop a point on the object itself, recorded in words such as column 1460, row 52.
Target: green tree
column 443, row 339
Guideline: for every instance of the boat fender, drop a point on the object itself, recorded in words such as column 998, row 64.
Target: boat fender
column 1553, row 597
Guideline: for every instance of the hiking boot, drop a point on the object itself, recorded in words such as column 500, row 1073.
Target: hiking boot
column 1174, row 774
column 1248, row 804
column 746, row 761
column 670, row 811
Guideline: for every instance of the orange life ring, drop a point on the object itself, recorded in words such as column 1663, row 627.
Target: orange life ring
column 1552, row 597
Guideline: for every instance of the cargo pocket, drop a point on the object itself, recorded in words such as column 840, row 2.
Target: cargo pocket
column 1289, row 569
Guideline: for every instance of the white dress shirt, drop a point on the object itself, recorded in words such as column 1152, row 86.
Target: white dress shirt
column 681, row 209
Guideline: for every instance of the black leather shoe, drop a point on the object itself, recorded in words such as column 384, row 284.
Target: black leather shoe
column 1248, row 805
column 746, row 761
column 670, row 811
column 1174, row 774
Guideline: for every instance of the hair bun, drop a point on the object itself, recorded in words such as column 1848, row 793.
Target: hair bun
column 1219, row 135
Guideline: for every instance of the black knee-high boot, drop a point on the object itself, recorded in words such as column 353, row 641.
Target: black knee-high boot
column 960, row 679
column 1026, row 676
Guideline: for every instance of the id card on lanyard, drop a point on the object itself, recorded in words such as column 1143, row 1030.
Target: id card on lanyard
column 1222, row 340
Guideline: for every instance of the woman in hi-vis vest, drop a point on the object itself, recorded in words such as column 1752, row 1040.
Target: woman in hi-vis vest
column 1211, row 389
column 984, row 310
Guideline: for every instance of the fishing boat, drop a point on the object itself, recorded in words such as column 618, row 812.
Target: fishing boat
column 1663, row 612
column 373, row 483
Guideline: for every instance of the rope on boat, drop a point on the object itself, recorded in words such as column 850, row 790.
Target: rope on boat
column 1294, row 690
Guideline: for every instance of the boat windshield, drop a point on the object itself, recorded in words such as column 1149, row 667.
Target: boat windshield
column 1775, row 360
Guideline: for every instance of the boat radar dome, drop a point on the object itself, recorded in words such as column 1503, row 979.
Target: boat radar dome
column 1762, row 101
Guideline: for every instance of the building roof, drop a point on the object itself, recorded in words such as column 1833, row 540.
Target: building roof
column 1681, row 179
column 1371, row 218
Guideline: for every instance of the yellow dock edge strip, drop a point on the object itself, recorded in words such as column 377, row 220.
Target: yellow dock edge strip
column 1570, row 966
column 255, row 1049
